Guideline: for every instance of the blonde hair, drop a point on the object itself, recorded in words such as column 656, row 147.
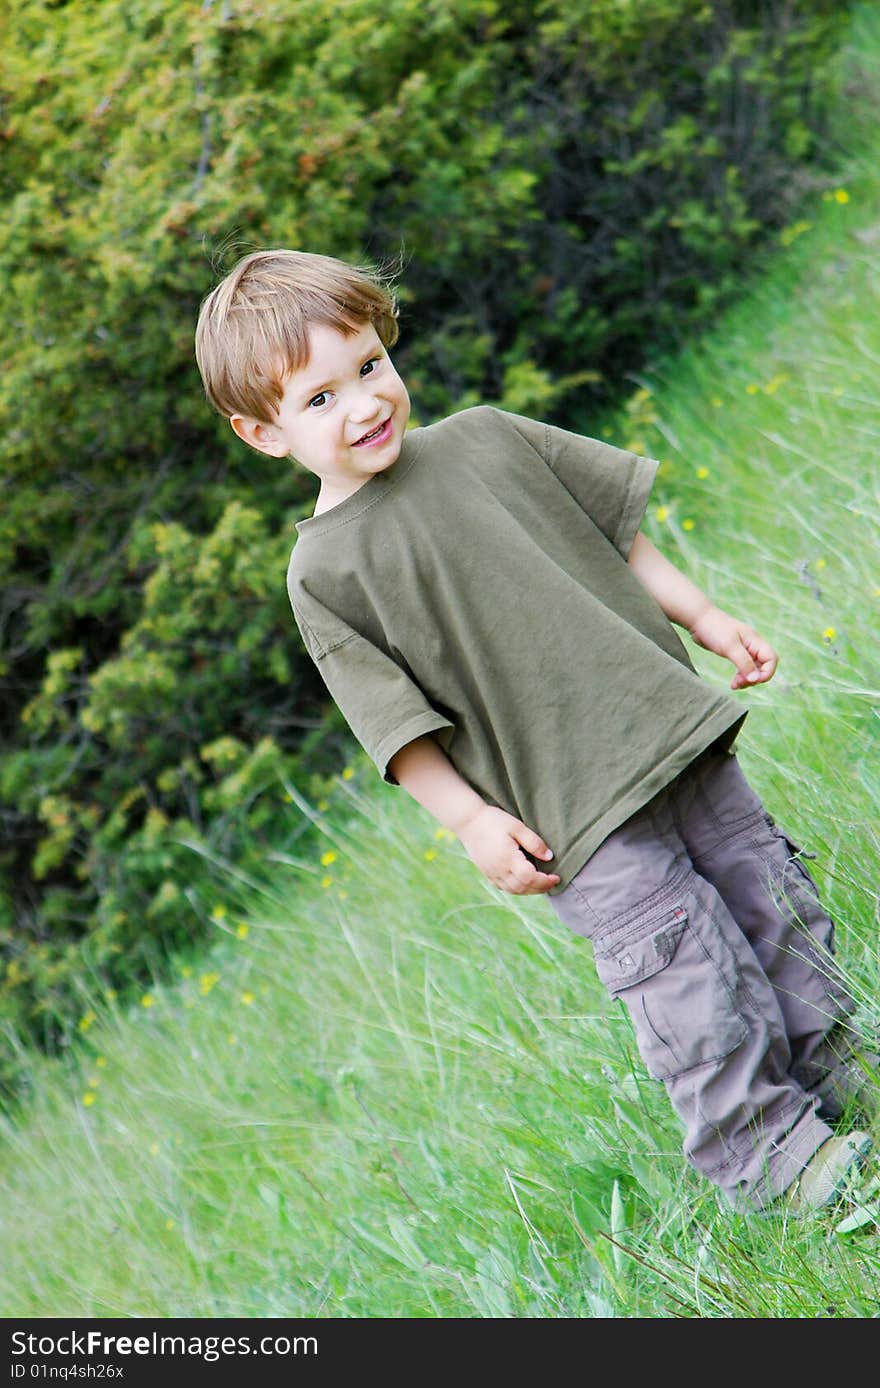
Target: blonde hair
column 253, row 327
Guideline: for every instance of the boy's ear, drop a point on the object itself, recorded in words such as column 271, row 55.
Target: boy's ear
column 261, row 436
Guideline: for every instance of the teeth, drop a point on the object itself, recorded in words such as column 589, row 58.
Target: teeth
column 372, row 435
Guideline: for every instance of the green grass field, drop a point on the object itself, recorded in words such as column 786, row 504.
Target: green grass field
column 390, row 1090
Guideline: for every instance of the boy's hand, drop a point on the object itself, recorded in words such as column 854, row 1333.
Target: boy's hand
column 492, row 840
column 754, row 658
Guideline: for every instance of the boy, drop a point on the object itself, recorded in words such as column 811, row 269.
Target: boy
column 497, row 632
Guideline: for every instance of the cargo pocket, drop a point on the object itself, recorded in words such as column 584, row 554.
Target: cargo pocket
column 677, row 979
column 799, row 892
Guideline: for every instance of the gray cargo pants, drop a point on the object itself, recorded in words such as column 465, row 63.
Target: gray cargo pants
column 706, row 923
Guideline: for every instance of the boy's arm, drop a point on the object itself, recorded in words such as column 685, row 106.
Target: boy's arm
column 491, row 837
column 686, row 605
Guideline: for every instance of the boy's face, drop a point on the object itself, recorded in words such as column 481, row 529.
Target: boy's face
column 343, row 414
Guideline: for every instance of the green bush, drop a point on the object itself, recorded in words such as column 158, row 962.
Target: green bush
column 569, row 185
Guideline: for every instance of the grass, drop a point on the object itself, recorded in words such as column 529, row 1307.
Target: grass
column 391, row 1090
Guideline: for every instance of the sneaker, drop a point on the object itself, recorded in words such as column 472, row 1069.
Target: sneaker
column 825, row 1174
column 865, row 1208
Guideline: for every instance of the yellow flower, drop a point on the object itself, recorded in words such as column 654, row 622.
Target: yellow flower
column 323, row 805
column 838, row 390
column 86, row 1021
column 248, row 998
column 206, row 983
column 89, row 1098
column 841, row 195
column 327, row 881
column 829, row 633
column 443, row 833
column 775, row 382
column 717, row 401
column 752, row 389
column 169, row 1224
column 662, row 513
column 328, row 858
column 820, row 563
column 688, row 524
column 430, row 853
column 93, row 1081
column 241, row 930
column 231, row 1038
column 147, row 1000
column 702, row 473
column 101, row 1061
column 110, row 994
column 186, row 970
column 348, row 773
column 218, row 913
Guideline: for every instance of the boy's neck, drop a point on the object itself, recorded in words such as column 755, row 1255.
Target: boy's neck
column 328, row 499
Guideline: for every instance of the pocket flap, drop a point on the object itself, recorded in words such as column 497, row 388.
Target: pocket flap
column 639, row 955
column 795, row 849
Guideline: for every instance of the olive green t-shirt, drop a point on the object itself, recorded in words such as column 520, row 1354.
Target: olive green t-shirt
column 478, row 590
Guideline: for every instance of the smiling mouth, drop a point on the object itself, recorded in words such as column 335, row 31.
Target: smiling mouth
column 374, row 433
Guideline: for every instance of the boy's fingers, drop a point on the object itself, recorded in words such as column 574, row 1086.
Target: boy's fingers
column 539, row 882
column 768, row 664
column 524, row 878
column 758, row 647
column 747, row 670
column 754, row 659
column 766, row 657
column 532, row 842
column 743, row 654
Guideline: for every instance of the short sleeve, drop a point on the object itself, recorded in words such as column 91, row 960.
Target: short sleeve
column 382, row 705
column 610, row 484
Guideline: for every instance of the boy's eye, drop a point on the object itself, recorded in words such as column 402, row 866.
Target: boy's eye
column 368, row 366
column 318, row 399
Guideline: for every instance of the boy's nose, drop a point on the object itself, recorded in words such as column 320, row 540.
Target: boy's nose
column 365, row 408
